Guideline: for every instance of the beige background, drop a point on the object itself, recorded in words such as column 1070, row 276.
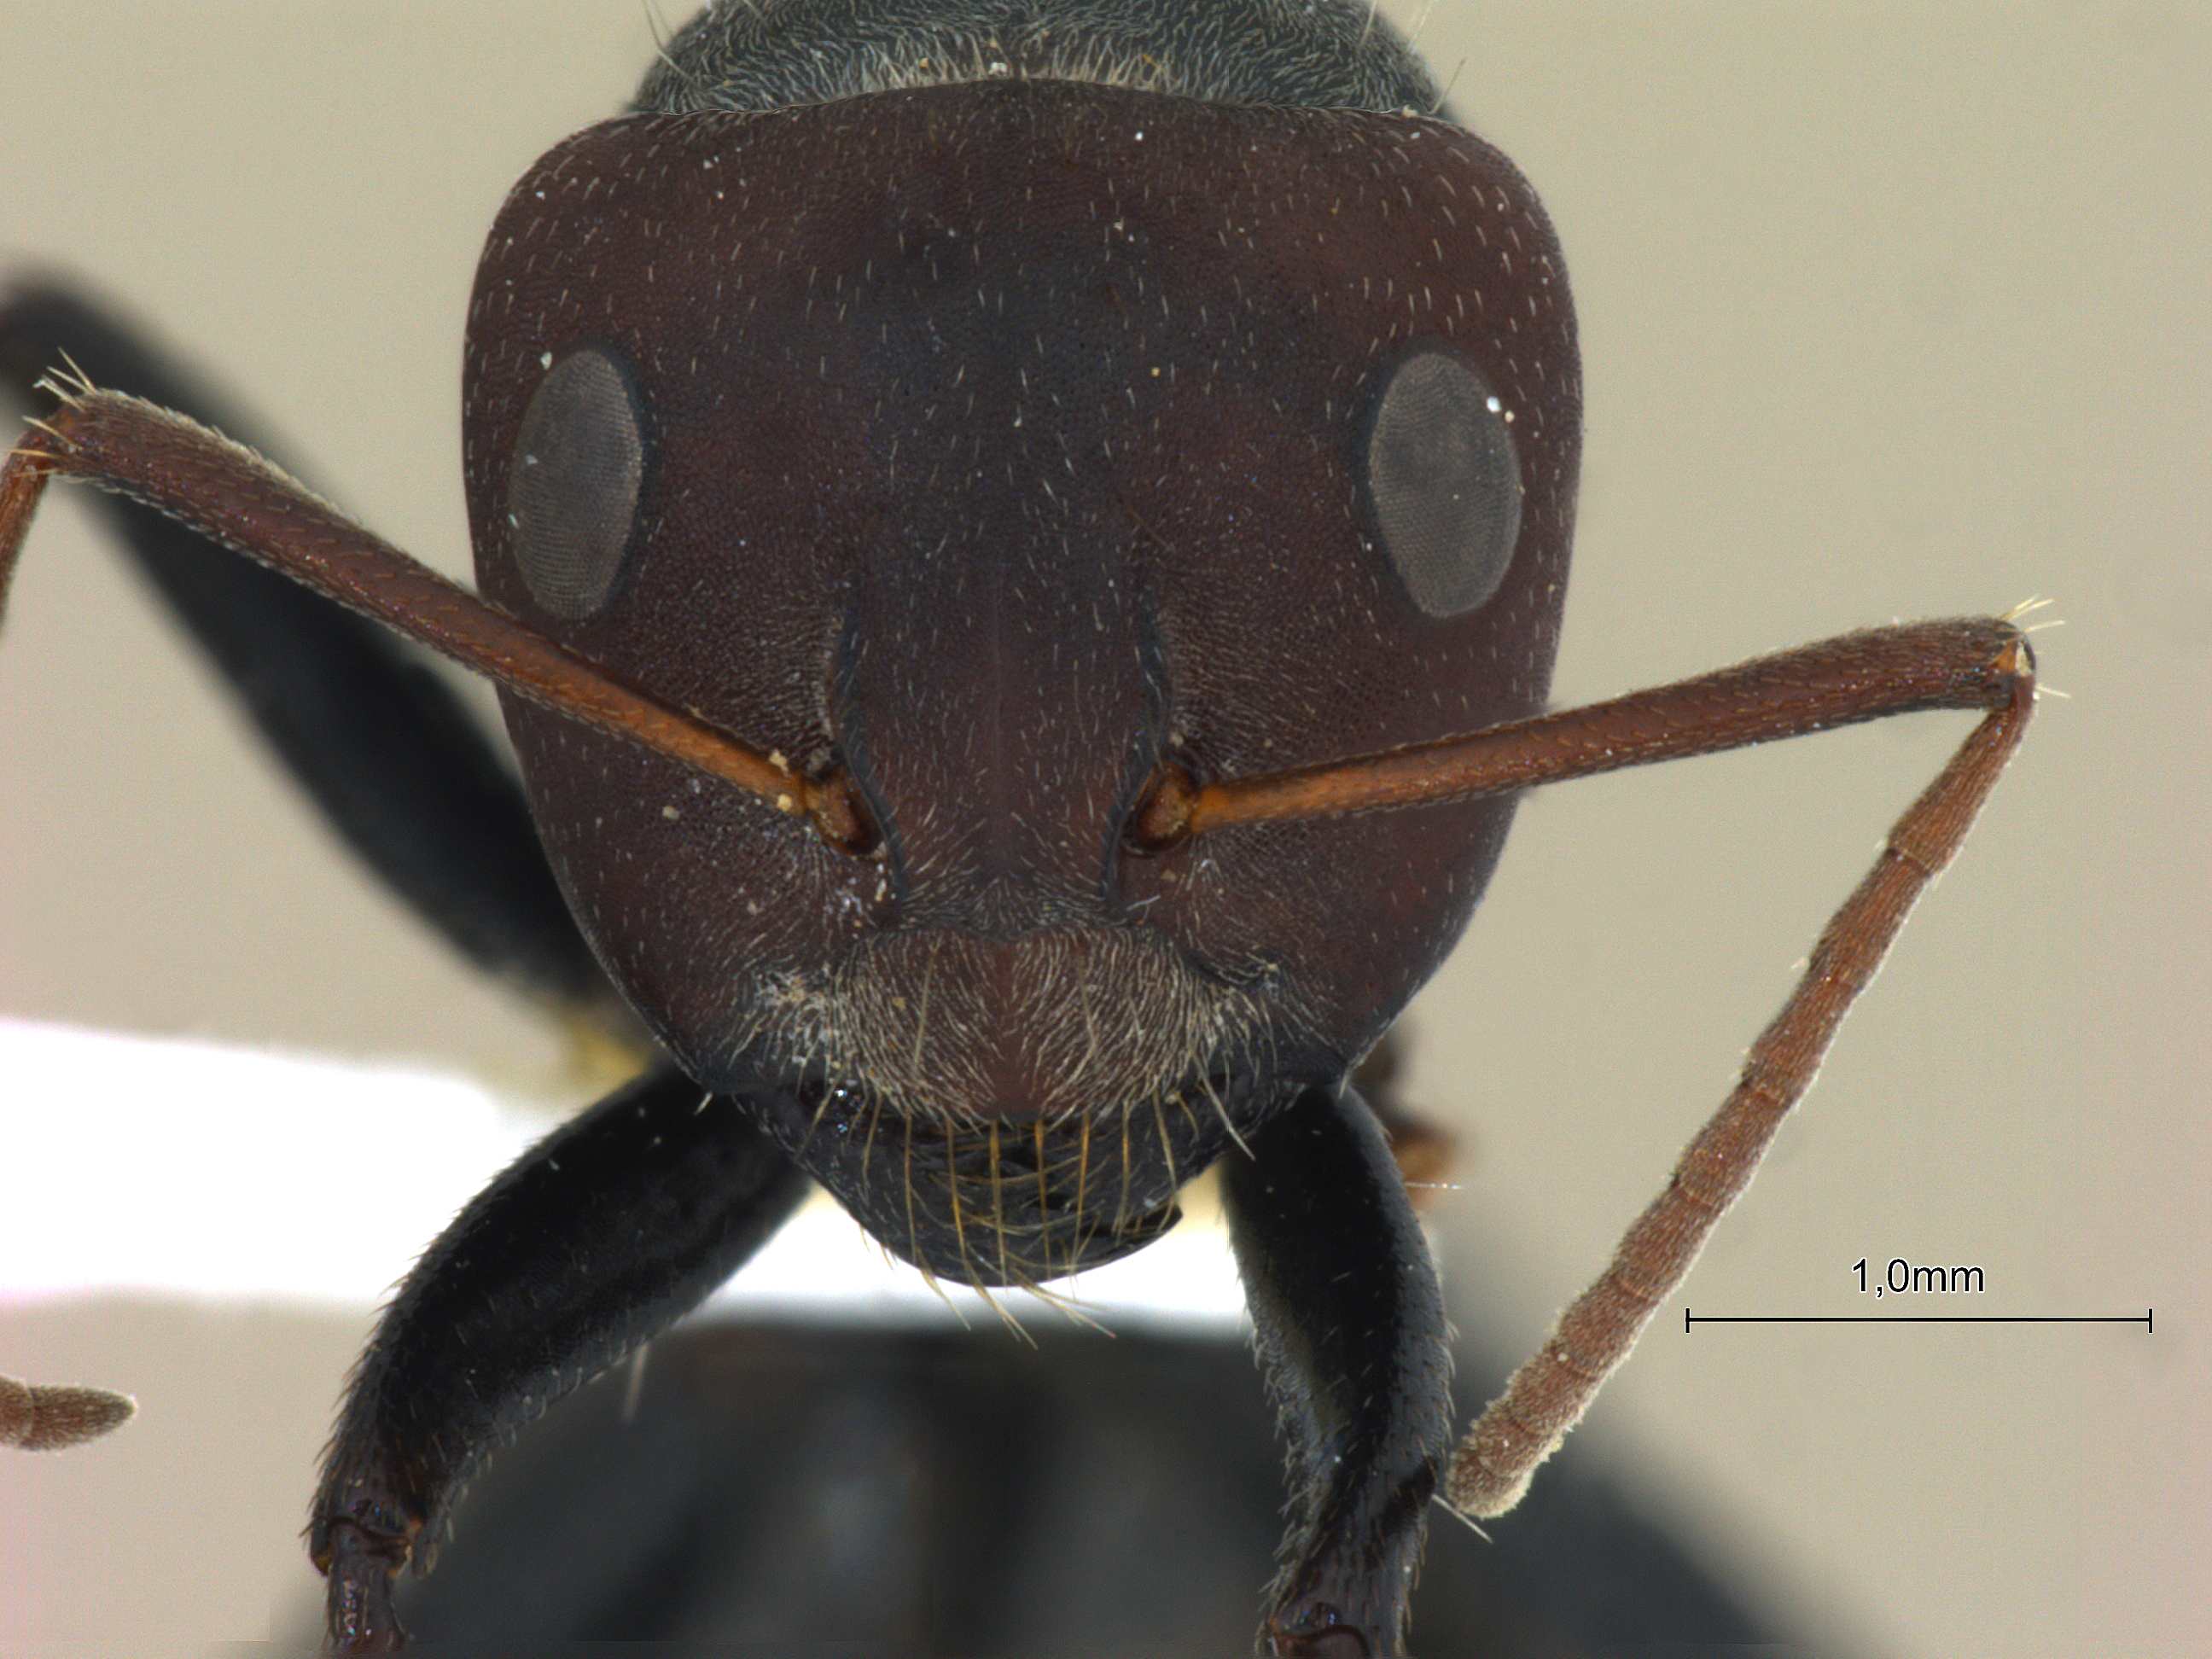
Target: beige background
column 1887, row 312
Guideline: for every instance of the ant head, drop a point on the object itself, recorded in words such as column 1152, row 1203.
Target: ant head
column 985, row 453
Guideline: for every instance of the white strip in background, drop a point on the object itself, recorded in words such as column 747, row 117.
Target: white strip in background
column 176, row 1168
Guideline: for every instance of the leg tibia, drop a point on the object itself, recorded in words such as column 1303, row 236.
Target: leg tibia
column 597, row 1239
column 1350, row 1325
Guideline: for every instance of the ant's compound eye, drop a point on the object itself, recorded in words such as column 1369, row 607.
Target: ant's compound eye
column 1442, row 483
column 572, row 492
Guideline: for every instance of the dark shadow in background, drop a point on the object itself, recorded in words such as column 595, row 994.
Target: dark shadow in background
column 796, row 1489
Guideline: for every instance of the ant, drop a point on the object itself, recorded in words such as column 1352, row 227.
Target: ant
column 1023, row 563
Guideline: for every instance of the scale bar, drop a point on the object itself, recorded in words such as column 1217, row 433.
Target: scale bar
column 2143, row 1319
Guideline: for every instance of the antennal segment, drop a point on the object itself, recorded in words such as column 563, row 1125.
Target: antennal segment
column 233, row 496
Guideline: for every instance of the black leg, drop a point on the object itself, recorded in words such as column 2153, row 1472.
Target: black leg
column 598, row 1238
column 1350, row 1324
column 1424, row 1149
column 399, row 768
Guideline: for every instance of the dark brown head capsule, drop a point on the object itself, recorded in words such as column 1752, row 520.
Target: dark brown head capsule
column 988, row 451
